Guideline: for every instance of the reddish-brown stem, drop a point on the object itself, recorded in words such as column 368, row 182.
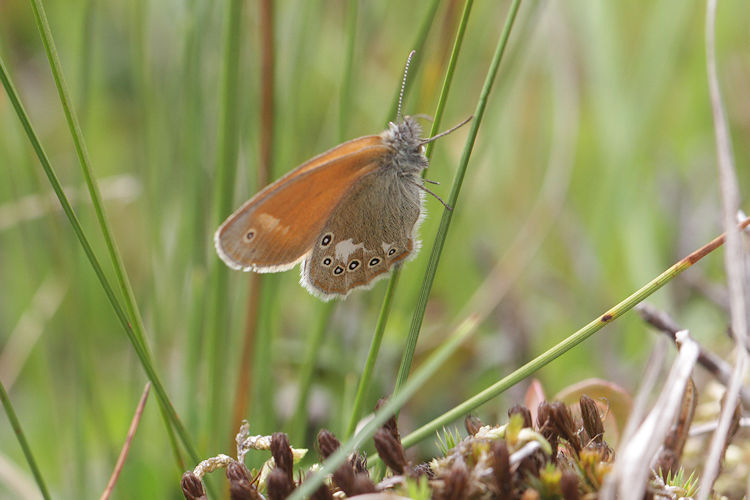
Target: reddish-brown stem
column 126, row 447
column 242, row 394
column 711, row 246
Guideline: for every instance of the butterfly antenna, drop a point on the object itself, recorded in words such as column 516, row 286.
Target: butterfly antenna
column 452, row 129
column 403, row 84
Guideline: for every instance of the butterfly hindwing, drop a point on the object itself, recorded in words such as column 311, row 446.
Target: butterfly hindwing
column 370, row 230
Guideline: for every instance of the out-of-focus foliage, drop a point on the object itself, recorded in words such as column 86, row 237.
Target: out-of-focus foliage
column 594, row 170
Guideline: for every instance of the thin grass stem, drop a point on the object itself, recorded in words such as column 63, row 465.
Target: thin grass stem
column 448, row 80
column 445, row 221
column 263, row 414
column 83, row 157
column 18, row 430
column 385, row 307
column 96, row 266
column 136, row 321
column 315, row 341
column 246, row 369
column 558, row 350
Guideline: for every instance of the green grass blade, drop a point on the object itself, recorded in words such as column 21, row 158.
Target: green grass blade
column 136, row 321
column 445, row 221
column 561, row 348
column 96, row 266
column 86, row 48
column 83, row 157
column 364, row 383
column 16, row 425
column 194, row 346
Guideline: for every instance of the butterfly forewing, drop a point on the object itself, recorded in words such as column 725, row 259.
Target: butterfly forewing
column 274, row 230
column 334, row 153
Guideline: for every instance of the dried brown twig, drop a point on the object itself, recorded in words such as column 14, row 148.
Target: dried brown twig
column 712, row 362
column 733, row 258
column 630, row 477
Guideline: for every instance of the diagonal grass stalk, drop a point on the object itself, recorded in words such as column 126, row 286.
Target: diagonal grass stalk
column 136, row 321
column 125, row 450
column 96, row 266
column 445, row 221
column 83, row 158
column 558, row 350
column 16, row 425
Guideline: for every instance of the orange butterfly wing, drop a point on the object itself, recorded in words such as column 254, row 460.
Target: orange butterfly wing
column 277, row 227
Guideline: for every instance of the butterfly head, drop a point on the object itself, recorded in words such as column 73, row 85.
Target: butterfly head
column 405, row 139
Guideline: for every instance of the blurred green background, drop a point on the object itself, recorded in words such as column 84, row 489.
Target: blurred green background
column 593, row 171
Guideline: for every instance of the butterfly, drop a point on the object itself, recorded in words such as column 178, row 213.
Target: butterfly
column 348, row 215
